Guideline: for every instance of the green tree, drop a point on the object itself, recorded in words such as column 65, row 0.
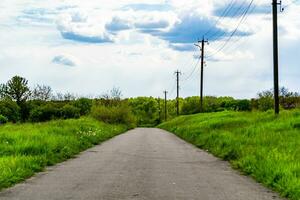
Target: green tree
column 265, row 100
column 16, row 89
column 84, row 105
column 146, row 109
column 10, row 109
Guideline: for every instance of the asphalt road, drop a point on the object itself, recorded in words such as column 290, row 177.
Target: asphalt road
column 141, row 164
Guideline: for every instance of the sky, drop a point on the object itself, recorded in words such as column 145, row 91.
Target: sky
column 88, row 47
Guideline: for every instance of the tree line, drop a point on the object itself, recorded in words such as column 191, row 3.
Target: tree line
column 20, row 103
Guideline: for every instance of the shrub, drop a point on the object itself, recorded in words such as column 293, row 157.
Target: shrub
column 120, row 114
column 3, row 119
column 243, row 105
column 146, row 110
column 190, row 105
column 265, row 103
column 69, row 111
column 44, row 113
column 10, row 110
column 84, row 105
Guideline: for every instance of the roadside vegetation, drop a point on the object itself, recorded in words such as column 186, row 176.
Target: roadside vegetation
column 260, row 144
column 38, row 129
column 21, row 103
column 29, row 148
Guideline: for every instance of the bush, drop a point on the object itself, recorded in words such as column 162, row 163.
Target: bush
column 3, row 119
column 120, row 114
column 10, row 110
column 190, row 105
column 69, row 111
column 243, row 105
column 44, row 113
column 265, row 103
column 146, row 110
column 84, row 105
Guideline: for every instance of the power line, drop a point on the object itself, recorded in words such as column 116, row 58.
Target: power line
column 288, row 5
column 227, row 9
column 240, row 38
column 233, row 33
column 173, row 84
column 235, row 14
column 194, row 69
column 235, row 30
column 173, row 88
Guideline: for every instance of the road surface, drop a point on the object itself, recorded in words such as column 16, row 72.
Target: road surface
column 141, row 164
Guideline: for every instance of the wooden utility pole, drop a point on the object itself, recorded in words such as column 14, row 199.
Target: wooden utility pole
column 203, row 41
column 177, row 98
column 275, row 56
column 166, row 111
column 159, row 109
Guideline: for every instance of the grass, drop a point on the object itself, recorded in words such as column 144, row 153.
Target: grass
column 261, row 145
column 29, row 148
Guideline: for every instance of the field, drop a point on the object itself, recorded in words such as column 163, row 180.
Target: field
column 29, row 148
column 261, row 145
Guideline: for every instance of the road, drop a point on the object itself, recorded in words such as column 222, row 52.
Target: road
column 141, row 164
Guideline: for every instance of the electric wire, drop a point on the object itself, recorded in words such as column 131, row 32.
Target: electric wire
column 288, row 5
column 235, row 14
column 234, row 32
column 240, row 40
column 224, row 13
column 194, row 69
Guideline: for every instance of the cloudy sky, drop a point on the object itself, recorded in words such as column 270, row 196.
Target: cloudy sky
column 88, row 47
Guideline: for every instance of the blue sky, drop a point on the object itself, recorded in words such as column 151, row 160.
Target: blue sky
column 87, row 48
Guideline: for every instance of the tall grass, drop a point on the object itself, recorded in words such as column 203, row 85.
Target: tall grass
column 29, row 148
column 260, row 144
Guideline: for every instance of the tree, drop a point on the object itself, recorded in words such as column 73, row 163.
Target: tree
column 112, row 97
column 42, row 92
column 2, row 91
column 116, row 93
column 10, row 109
column 17, row 89
column 146, row 109
column 69, row 97
column 265, row 100
column 84, row 105
column 288, row 100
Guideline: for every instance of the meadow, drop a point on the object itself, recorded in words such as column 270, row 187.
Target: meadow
column 30, row 147
column 259, row 144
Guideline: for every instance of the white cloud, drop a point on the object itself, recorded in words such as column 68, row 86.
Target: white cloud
column 78, row 27
column 65, row 60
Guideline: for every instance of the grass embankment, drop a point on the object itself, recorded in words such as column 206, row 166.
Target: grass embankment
column 260, row 144
column 29, row 148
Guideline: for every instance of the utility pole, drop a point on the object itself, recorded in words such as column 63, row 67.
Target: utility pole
column 166, row 111
column 177, row 98
column 203, row 41
column 159, row 110
column 275, row 56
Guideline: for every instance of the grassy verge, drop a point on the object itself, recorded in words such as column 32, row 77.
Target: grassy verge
column 259, row 144
column 29, row 148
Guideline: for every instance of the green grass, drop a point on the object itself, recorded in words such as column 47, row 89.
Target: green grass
column 29, row 148
column 259, row 144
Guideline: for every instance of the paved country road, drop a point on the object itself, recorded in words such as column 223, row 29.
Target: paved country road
column 141, row 164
